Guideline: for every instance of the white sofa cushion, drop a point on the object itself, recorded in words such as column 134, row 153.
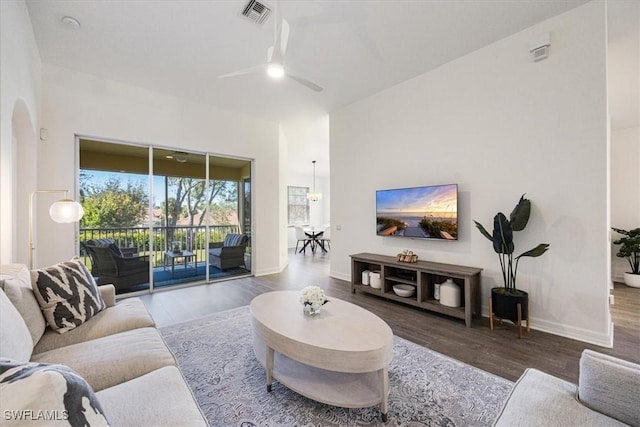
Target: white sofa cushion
column 43, row 394
column 611, row 386
column 16, row 280
column 164, row 395
column 15, row 338
column 111, row 360
column 67, row 294
column 126, row 315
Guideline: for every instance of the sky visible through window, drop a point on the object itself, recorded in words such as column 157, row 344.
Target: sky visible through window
column 98, row 178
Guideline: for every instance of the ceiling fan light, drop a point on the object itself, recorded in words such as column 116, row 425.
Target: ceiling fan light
column 275, row 71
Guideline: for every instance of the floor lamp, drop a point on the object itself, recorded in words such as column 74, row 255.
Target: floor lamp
column 62, row 211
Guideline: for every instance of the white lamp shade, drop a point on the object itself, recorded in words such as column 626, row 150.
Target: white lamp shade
column 66, row 211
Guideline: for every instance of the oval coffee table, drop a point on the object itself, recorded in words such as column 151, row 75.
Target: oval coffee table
column 340, row 356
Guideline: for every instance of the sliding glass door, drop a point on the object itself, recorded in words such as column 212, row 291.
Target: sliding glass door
column 187, row 214
column 180, row 198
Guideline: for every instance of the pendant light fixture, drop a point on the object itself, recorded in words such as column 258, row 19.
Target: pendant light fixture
column 313, row 196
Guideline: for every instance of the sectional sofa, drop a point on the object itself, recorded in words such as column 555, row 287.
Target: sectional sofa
column 118, row 352
column 607, row 394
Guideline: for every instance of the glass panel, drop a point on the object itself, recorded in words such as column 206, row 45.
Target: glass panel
column 298, row 205
column 179, row 210
column 229, row 217
column 198, row 226
column 114, row 233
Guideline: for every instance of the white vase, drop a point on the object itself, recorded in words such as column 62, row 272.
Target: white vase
column 450, row 294
column 374, row 280
column 632, row 280
column 310, row 310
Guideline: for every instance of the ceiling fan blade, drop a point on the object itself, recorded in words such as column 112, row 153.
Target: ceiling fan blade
column 251, row 70
column 308, row 83
column 284, row 36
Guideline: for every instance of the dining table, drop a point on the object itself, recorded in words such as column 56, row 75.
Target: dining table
column 315, row 240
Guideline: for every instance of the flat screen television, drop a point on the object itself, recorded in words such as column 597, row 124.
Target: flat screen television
column 429, row 212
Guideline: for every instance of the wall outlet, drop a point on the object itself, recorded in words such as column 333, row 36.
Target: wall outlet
column 612, row 300
column 338, row 227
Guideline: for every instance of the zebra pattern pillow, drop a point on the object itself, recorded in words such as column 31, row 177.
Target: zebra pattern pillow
column 43, row 394
column 68, row 295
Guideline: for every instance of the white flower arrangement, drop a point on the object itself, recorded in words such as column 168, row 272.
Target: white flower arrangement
column 313, row 296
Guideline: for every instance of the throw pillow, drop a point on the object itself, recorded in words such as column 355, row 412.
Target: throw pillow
column 15, row 339
column 32, row 393
column 15, row 280
column 68, row 295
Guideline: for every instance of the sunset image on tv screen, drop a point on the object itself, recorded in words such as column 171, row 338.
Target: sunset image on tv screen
column 419, row 212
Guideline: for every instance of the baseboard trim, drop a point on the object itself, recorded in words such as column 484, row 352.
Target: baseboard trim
column 340, row 276
column 267, row 271
column 572, row 332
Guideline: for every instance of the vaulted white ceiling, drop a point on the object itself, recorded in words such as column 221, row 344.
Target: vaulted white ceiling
column 351, row 48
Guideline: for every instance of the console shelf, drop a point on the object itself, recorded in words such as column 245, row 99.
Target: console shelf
column 423, row 275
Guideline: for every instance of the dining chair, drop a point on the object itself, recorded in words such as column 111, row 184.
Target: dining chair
column 301, row 236
column 326, row 238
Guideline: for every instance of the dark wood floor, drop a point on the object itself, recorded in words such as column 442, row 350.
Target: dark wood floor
column 498, row 351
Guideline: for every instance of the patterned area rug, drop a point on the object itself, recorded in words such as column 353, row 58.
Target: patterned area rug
column 216, row 357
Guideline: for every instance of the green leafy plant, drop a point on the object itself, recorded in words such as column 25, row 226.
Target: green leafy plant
column 503, row 245
column 629, row 247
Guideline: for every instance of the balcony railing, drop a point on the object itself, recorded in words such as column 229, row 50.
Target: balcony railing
column 191, row 238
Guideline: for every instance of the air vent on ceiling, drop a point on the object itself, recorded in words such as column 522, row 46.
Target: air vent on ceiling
column 256, row 11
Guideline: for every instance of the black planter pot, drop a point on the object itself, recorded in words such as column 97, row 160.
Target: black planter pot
column 505, row 306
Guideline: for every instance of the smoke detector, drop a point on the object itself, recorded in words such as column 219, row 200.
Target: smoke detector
column 256, row 11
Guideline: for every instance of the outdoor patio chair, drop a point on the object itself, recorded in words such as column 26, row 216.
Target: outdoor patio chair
column 230, row 253
column 120, row 266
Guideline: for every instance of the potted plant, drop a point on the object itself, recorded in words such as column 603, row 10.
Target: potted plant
column 505, row 299
column 630, row 249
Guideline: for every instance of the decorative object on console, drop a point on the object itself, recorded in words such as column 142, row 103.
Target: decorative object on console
column 312, row 298
column 509, row 302
column 374, row 280
column 407, row 256
column 450, row 294
column 365, row 277
column 436, row 291
column 62, row 211
column 630, row 249
column 404, row 291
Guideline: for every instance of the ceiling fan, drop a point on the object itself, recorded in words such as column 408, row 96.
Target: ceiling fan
column 275, row 65
column 178, row 156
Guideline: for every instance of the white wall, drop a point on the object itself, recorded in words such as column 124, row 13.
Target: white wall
column 79, row 104
column 625, row 189
column 498, row 125
column 19, row 117
column 308, row 140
